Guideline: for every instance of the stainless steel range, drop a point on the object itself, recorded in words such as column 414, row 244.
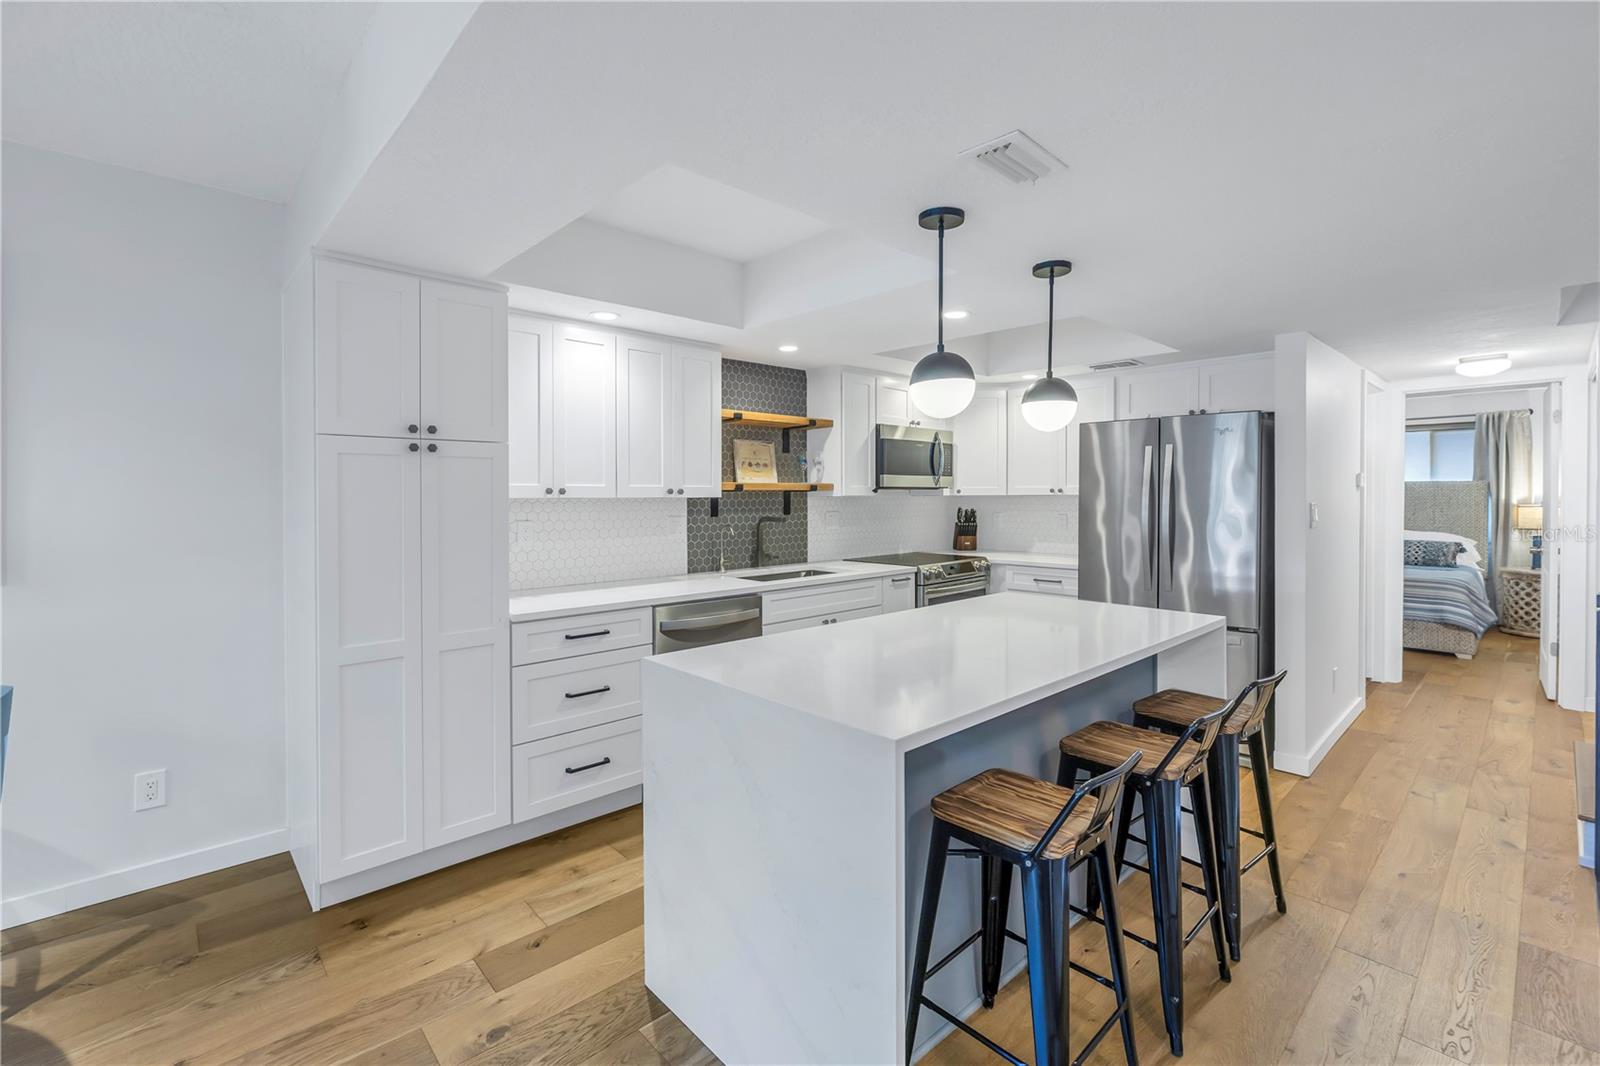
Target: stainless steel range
column 941, row 578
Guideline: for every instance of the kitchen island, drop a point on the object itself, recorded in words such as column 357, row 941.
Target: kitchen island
column 787, row 781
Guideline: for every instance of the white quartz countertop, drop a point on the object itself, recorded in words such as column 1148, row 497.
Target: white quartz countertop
column 913, row 676
column 619, row 595
column 1045, row 559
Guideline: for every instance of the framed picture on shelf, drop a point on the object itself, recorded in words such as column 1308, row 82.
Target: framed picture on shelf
column 754, row 462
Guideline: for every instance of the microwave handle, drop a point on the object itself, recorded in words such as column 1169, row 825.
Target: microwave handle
column 936, row 459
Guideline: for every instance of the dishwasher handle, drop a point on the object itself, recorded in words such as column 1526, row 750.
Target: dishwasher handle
column 709, row 621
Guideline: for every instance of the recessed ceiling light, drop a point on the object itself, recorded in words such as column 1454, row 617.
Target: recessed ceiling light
column 1482, row 366
column 955, row 314
column 604, row 316
column 788, row 347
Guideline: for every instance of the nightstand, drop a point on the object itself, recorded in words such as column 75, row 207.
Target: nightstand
column 1519, row 601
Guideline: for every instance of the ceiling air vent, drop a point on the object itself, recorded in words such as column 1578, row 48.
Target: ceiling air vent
column 1120, row 364
column 1016, row 157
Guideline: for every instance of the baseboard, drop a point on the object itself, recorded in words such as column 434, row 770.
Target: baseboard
column 1306, row 764
column 91, row 890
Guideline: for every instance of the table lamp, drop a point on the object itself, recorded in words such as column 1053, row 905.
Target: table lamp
column 1531, row 516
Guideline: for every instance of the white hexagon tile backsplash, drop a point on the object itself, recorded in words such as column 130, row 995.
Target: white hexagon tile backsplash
column 577, row 542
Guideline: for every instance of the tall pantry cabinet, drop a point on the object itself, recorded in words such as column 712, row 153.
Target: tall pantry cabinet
column 396, row 603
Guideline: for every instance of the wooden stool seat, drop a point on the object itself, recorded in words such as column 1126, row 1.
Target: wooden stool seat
column 1177, row 707
column 1109, row 743
column 1014, row 810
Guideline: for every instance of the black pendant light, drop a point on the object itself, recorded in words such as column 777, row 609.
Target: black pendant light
column 942, row 383
column 1050, row 402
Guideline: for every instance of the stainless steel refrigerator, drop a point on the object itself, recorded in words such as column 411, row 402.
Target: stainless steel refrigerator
column 1177, row 513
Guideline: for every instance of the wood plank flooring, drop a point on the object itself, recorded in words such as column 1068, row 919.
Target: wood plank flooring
column 1436, row 915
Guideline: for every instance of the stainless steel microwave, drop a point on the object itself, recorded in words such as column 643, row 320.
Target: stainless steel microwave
column 911, row 457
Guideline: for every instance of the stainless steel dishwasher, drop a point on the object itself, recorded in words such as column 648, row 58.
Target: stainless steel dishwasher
column 694, row 625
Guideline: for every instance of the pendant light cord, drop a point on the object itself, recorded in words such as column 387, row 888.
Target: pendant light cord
column 941, row 285
column 1050, row 333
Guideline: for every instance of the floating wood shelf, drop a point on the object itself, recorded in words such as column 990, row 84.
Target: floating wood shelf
column 772, row 421
column 775, row 486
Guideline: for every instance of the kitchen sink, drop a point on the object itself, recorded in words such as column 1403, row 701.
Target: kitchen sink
column 785, row 575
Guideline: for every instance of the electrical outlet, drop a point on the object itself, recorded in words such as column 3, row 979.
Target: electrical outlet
column 1335, row 679
column 149, row 790
column 522, row 536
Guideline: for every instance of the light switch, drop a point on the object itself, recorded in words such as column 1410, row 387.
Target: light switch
column 1315, row 517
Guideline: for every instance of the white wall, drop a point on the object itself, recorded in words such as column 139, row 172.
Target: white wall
column 1318, row 595
column 142, row 529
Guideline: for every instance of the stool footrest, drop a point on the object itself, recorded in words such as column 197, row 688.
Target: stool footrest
column 970, row 1031
column 1201, row 924
column 1196, row 889
column 1252, row 832
column 1097, row 978
column 959, row 948
column 1268, row 850
column 1105, row 1027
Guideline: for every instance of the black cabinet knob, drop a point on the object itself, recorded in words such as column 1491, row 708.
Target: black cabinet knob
column 433, row 429
column 415, row 445
column 433, row 447
column 411, row 428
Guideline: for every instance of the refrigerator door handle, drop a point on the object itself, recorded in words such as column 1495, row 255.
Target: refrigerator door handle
column 1146, row 490
column 1166, row 508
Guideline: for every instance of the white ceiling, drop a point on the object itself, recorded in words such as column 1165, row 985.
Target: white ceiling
column 681, row 207
column 1409, row 182
column 230, row 95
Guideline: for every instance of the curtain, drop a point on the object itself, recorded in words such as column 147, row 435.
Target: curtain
column 1502, row 455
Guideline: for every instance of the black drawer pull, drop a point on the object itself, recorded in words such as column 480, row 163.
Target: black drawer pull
column 588, row 692
column 596, row 633
column 591, row 766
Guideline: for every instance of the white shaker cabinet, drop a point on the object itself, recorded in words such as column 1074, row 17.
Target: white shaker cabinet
column 896, row 407
column 1036, row 463
column 1237, row 385
column 1154, row 393
column 981, row 445
column 847, row 450
column 369, row 630
column 585, row 417
column 1096, row 403
column 531, row 406
column 366, row 339
column 644, row 417
column 466, row 641
column 463, row 362
column 695, row 439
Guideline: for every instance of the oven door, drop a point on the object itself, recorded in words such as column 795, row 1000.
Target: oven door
column 910, row 457
column 951, row 591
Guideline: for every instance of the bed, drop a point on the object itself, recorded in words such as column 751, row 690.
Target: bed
column 1446, row 609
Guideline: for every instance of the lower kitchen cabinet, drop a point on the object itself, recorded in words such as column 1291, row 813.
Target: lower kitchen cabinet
column 820, row 620
column 899, row 593
column 1050, row 580
column 565, row 695
column 575, row 767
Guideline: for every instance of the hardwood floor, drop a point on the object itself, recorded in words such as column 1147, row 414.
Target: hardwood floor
column 1436, row 915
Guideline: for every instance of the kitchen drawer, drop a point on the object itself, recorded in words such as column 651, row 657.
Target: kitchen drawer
column 563, row 695
column 547, row 775
column 899, row 592
column 819, row 620
column 1042, row 579
column 584, row 634
column 814, row 600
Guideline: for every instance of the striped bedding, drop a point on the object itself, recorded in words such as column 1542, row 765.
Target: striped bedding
column 1449, row 595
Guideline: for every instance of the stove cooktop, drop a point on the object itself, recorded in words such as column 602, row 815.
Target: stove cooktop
column 912, row 559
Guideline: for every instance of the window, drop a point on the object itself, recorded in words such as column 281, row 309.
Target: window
column 1439, row 453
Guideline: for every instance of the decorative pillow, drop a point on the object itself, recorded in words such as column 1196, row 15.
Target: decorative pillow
column 1432, row 552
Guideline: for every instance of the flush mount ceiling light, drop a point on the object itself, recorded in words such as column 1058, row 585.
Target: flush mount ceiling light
column 1482, row 366
column 942, row 383
column 604, row 316
column 788, row 347
column 1050, row 402
column 955, row 314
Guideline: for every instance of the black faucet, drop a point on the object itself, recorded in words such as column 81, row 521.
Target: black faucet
column 763, row 556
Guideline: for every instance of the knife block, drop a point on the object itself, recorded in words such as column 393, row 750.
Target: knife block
column 966, row 537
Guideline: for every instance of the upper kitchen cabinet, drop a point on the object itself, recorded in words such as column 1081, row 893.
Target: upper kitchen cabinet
column 1036, row 462
column 463, row 362
column 695, row 440
column 981, row 444
column 401, row 356
column 1244, row 384
column 894, row 406
column 1154, row 393
column 1096, row 403
column 669, row 419
column 530, row 365
column 368, row 381
column 584, row 441
column 847, row 449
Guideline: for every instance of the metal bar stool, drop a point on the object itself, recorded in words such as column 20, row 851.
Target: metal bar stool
column 1171, row 711
column 1168, row 766
column 1010, row 819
